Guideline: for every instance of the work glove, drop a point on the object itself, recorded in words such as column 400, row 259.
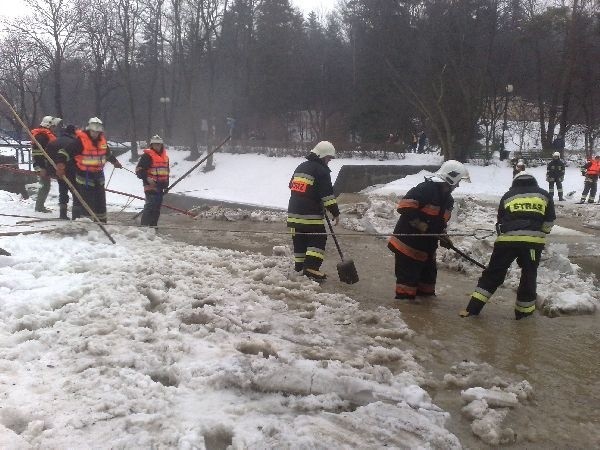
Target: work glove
column 419, row 225
column 446, row 242
column 117, row 164
column 60, row 170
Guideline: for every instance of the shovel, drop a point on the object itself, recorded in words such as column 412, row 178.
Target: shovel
column 346, row 268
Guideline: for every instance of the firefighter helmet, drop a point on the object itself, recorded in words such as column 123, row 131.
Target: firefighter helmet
column 556, row 155
column 46, row 121
column 323, row 149
column 156, row 139
column 95, row 124
column 452, row 172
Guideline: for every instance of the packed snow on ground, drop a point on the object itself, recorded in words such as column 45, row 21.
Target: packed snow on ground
column 155, row 343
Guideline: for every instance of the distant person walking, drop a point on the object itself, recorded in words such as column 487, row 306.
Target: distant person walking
column 590, row 171
column 422, row 142
column 525, row 215
column 555, row 173
column 414, row 143
column 559, row 144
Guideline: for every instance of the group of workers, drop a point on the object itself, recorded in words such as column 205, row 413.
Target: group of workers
column 555, row 175
column 525, row 216
column 77, row 157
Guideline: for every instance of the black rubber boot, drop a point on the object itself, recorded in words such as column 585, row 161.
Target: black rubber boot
column 63, row 212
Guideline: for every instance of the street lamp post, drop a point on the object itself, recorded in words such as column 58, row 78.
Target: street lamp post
column 165, row 101
column 508, row 89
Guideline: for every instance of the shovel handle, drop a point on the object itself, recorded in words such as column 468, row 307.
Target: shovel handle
column 467, row 257
column 333, row 235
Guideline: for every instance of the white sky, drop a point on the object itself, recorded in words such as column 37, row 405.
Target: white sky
column 14, row 7
column 318, row 6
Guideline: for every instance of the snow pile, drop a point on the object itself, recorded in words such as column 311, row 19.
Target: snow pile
column 489, row 399
column 155, row 343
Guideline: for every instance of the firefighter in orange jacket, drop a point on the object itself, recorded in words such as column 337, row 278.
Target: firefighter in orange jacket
column 90, row 152
column 44, row 134
column 590, row 171
column 425, row 209
column 153, row 170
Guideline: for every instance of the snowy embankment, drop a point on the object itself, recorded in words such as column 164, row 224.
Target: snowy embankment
column 155, row 343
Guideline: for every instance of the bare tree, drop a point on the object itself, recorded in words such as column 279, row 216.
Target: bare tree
column 124, row 45
column 20, row 78
column 97, row 36
column 53, row 26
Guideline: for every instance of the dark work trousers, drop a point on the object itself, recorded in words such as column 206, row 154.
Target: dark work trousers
column 590, row 186
column 151, row 212
column 559, row 188
column 415, row 277
column 309, row 250
column 90, row 186
column 63, row 189
column 503, row 255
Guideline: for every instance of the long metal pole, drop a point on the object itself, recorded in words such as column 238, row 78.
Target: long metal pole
column 72, row 188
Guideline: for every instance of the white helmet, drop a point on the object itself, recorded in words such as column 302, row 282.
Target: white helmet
column 46, row 121
column 556, row 155
column 323, row 149
column 156, row 139
column 451, row 172
column 56, row 122
column 95, row 124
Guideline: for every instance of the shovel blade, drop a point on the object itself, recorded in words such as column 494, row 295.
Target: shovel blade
column 347, row 272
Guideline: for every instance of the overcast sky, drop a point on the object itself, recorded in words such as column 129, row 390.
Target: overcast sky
column 14, row 7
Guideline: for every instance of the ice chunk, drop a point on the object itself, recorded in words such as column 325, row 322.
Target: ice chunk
column 492, row 397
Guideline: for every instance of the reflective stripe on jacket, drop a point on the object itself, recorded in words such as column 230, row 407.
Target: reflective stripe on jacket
column 93, row 156
column 525, row 215
column 427, row 202
column 310, row 191
column 159, row 169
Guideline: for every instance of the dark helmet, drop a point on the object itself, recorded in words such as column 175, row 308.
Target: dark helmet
column 524, row 179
